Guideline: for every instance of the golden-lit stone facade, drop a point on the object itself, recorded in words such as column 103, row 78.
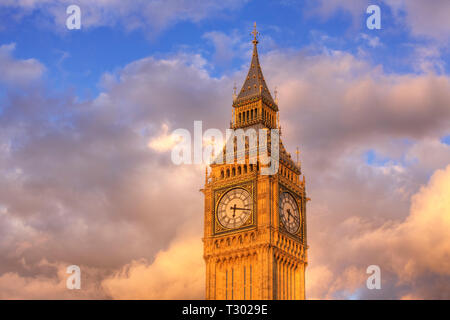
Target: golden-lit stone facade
column 255, row 225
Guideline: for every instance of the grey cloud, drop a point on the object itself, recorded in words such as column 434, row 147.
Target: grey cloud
column 88, row 190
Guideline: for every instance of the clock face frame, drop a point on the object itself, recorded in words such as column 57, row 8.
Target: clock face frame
column 234, row 208
column 289, row 213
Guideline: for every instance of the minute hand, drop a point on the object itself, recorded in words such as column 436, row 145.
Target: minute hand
column 236, row 208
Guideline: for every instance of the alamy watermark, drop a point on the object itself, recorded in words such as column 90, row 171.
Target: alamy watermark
column 374, row 280
column 259, row 146
column 374, row 20
column 74, row 280
column 74, row 19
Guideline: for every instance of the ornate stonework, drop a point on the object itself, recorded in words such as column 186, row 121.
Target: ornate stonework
column 255, row 225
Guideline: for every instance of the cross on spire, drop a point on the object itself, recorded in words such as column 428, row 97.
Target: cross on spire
column 255, row 34
column 297, row 152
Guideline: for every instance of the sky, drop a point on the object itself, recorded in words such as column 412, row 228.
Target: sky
column 85, row 140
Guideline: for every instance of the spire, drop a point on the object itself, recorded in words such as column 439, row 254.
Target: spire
column 255, row 34
column 276, row 95
column 254, row 84
column 297, row 152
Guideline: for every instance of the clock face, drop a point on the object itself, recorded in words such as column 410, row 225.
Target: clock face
column 289, row 213
column 234, row 208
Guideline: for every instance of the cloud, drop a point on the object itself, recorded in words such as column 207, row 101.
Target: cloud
column 87, row 189
column 228, row 46
column 362, row 104
column 18, row 72
column 423, row 19
column 402, row 117
column 409, row 252
column 371, row 41
column 153, row 16
column 176, row 273
column 164, row 142
column 52, row 286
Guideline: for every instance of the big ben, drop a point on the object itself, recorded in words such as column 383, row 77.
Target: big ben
column 255, row 224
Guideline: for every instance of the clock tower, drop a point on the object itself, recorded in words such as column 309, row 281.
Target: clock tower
column 255, row 224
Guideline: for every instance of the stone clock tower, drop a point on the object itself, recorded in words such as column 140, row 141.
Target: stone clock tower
column 255, row 225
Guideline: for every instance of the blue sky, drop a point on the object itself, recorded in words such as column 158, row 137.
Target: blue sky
column 77, row 59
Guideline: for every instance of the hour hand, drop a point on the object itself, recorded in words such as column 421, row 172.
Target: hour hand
column 237, row 208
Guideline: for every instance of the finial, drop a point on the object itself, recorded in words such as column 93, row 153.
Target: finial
column 234, row 92
column 206, row 174
column 255, row 34
column 297, row 152
column 276, row 95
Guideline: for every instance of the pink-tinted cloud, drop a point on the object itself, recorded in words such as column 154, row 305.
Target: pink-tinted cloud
column 175, row 273
column 410, row 252
column 93, row 190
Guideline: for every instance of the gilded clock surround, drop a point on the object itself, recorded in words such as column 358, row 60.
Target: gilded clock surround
column 219, row 193
column 297, row 198
column 259, row 259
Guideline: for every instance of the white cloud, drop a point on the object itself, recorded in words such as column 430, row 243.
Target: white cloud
column 15, row 71
column 152, row 15
column 165, row 141
column 422, row 18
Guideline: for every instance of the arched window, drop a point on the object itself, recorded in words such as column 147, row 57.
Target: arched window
column 228, row 172
column 245, row 168
column 251, row 167
column 251, row 114
column 221, row 174
column 234, row 171
column 239, row 170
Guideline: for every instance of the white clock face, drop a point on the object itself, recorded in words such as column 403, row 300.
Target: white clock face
column 289, row 213
column 234, row 208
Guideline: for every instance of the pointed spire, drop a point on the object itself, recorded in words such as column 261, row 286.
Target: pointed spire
column 254, row 84
column 276, row 95
column 255, row 34
column 297, row 152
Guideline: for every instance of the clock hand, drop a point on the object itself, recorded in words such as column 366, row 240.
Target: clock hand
column 289, row 213
column 295, row 218
column 234, row 210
